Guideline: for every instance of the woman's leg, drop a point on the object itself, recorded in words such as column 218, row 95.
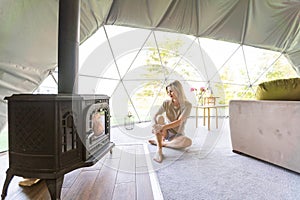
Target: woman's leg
column 160, row 120
column 159, row 155
column 160, row 140
column 179, row 142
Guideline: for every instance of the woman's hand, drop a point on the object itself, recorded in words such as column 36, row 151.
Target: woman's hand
column 157, row 128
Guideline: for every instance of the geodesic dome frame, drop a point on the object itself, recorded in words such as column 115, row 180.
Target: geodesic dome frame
column 28, row 37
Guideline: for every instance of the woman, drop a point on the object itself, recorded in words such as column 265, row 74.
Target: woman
column 169, row 132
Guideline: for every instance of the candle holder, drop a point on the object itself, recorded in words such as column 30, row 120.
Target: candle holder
column 129, row 121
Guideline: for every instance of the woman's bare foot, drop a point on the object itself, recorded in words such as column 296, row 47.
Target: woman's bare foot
column 158, row 157
column 153, row 142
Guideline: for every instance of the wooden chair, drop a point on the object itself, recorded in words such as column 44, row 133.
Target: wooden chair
column 210, row 100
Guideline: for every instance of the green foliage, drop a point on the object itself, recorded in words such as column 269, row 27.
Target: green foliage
column 246, row 92
column 279, row 70
column 159, row 62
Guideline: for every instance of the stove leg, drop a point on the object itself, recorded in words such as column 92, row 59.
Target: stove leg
column 9, row 176
column 54, row 187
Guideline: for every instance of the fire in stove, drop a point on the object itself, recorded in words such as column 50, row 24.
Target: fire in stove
column 97, row 127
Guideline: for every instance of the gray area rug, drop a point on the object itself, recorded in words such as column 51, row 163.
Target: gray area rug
column 210, row 170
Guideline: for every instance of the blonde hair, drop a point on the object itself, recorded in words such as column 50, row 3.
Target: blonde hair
column 177, row 87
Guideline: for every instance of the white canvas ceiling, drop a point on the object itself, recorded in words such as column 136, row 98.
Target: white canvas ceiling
column 28, row 34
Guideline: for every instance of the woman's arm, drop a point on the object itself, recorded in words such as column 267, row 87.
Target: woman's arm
column 174, row 124
column 160, row 111
column 184, row 115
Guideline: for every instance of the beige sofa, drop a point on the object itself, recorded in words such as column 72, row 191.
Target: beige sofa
column 267, row 130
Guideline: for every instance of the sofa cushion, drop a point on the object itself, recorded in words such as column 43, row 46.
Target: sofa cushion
column 281, row 89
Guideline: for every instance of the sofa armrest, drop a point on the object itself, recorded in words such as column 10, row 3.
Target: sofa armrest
column 267, row 130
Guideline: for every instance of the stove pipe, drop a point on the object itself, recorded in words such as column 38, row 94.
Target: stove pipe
column 68, row 46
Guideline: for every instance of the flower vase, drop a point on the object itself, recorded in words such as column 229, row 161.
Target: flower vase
column 201, row 101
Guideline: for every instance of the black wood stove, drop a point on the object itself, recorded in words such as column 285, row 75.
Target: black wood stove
column 50, row 135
